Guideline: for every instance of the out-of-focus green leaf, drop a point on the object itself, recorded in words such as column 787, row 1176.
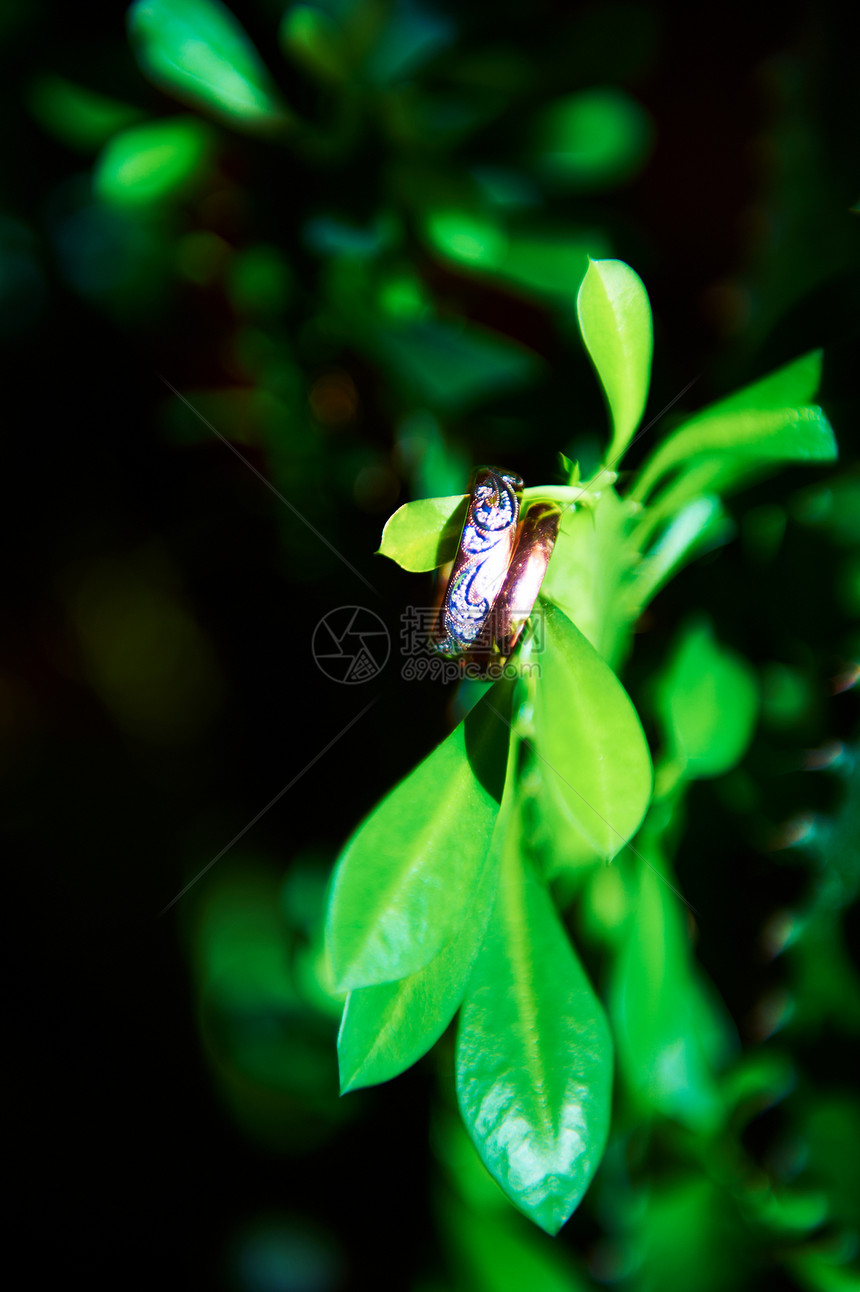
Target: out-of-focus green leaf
column 152, row 162
column 669, row 1035
column 615, row 321
column 592, row 749
column 77, row 115
column 549, row 263
column 817, row 1272
column 412, row 34
column 197, row 50
column 743, row 438
column 707, row 703
column 259, row 280
column 534, row 1055
column 423, row 535
column 405, row 881
column 452, row 366
column 466, row 237
column 497, row 1253
column 311, row 36
column 688, row 1236
column 386, row 1029
column 271, row 1054
column 788, row 695
column 833, row 506
column 699, row 526
column 597, row 137
column 542, row 261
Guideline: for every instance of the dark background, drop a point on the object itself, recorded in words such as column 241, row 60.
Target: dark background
column 128, row 1166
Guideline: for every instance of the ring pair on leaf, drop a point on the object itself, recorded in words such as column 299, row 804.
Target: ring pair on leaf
column 500, row 565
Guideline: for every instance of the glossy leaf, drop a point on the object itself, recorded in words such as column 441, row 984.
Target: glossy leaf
column 197, row 50
column 385, row 1029
column 423, row 535
column 534, row 1055
column 405, row 880
column 150, row 162
column 588, row 737
column 745, row 438
column 615, row 321
column 707, row 702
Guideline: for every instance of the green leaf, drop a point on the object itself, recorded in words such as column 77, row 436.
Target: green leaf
column 542, row 261
column 548, row 263
column 495, row 1255
column 663, row 1022
column 698, row 527
column 451, row 365
column 311, row 36
column 404, row 883
column 590, row 565
column 745, row 438
column 615, row 321
column 707, row 703
column 423, row 535
column 597, row 137
column 152, row 162
column 794, row 384
column 592, row 749
column 80, row 117
column 386, row 1029
column 534, row 1055
column 197, row 50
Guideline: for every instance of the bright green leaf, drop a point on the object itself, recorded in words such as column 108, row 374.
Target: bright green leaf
column 744, row 438
column 386, row 1029
column 534, row 1055
column 423, row 535
column 197, row 50
column 152, row 162
column 615, row 321
column 707, row 702
column 792, row 385
column 589, row 740
column 405, row 880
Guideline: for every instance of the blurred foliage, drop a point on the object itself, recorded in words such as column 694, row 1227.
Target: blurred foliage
column 352, row 236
